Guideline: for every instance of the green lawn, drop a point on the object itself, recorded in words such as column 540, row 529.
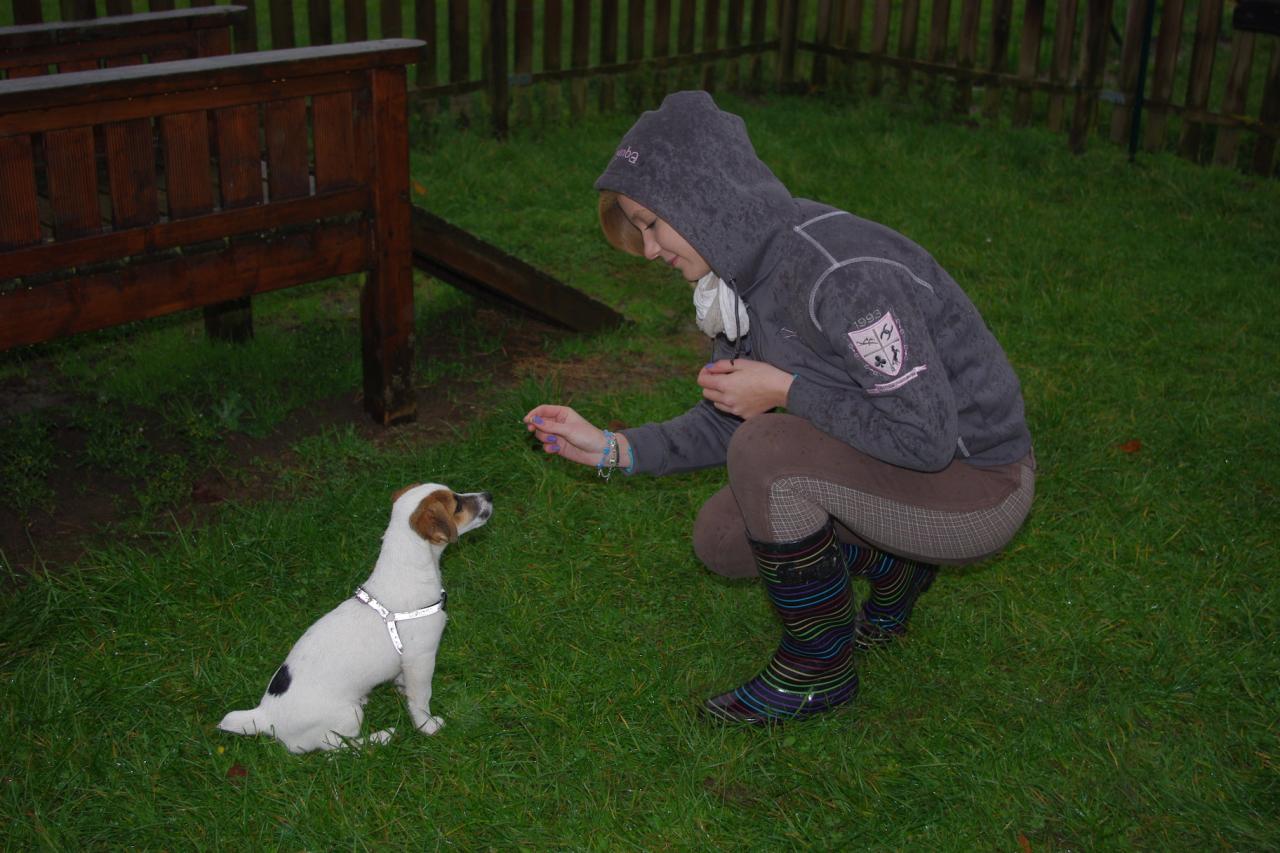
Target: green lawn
column 1111, row 682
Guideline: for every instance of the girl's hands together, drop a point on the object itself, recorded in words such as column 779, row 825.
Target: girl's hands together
column 744, row 387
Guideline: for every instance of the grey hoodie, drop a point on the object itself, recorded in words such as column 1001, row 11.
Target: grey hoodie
column 888, row 353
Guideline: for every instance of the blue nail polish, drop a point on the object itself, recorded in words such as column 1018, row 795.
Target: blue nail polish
column 537, row 419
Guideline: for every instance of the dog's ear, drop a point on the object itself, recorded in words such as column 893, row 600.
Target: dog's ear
column 433, row 519
column 400, row 493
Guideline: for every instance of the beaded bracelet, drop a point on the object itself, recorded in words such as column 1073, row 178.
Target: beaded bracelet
column 609, row 458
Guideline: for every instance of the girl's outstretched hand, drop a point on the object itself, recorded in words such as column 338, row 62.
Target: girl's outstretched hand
column 566, row 433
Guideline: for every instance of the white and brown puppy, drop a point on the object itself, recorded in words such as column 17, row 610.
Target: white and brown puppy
column 389, row 629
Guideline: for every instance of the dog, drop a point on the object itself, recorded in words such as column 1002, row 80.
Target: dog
column 389, row 629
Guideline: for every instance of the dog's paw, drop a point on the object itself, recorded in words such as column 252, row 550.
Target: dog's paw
column 381, row 738
column 431, row 725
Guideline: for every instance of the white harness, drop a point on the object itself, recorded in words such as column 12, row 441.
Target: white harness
column 392, row 618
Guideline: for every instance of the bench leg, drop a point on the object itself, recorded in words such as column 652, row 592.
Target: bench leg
column 230, row 321
column 386, row 320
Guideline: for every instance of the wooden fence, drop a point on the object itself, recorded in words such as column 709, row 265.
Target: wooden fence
column 1152, row 74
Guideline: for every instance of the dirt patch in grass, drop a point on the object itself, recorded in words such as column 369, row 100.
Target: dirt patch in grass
column 89, row 504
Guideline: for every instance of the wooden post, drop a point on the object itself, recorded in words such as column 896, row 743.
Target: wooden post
column 1130, row 54
column 879, row 44
column 710, row 41
column 552, row 45
column 499, row 84
column 1028, row 60
column 608, row 51
column 908, row 35
column 319, row 22
column 282, row 31
column 460, row 55
column 1166, row 65
column 635, row 51
column 580, row 56
column 759, row 11
column 521, row 98
column 967, row 52
column 425, row 28
column 939, row 23
column 1064, row 33
column 1264, row 149
column 391, row 19
column 823, row 37
column 788, row 34
column 661, row 41
column 356, row 16
column 1233, row 101
column 1097, row 22
column 1208, row 21
column 1001, row 22
column 386, row 302
column 733, row 38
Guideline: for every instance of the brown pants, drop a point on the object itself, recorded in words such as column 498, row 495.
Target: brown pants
column 786, row 477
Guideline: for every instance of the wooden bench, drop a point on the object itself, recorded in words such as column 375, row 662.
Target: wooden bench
column 151, row 182
column 35, row 49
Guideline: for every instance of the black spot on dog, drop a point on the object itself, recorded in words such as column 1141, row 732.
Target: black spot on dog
column 280, row 681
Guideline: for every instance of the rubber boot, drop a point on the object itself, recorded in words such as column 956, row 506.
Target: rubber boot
column 813, row 669
column 896, row 583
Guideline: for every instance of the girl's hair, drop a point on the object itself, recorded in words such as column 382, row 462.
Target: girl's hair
column 618, row 230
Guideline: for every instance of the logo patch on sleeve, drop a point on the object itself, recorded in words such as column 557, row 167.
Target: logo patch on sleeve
column 880, row 345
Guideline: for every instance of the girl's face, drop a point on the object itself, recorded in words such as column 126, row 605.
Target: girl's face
column 661, row 242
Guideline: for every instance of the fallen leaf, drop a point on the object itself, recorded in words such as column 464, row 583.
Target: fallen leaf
column 1023, row 843
column 236, row 771
column 1133, row 445
column 419, row 188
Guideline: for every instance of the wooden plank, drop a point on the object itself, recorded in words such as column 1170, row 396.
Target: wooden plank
column 425, row 28
column 608, row 51
column 1097, row 22
column 759, row 20
column 319, row 22
column 636, row 19
column 239, row 156
column 908, row 36
column 523, row 65
column 1064, row 32
column 1130, row 57
column 939, row 25
column 459, row 54
column 119, row 7
column 282, row 29
column 879, row 44
column 78, row 10
column 788, row 36
column 967, row 52
column 1200, row 75
column 1001, row 24
column 710, row 41
column 733, row 38
column 27, row 12
column 390, row 20
column 1028, row 60
column 1264, row 147
column 1166, row 66
column 580, row 56
column 481, row 269
column 334, row 134
column 188, row 185
column 102, row 248
column 288, row 163
column 1235, row 97
column 552, row 53
column 146, row 290
column 19, row 210
column 822, row 35
column 498, row 74
column 131, row 173
column 356, row 16
column 73, row 182
column 386, row 301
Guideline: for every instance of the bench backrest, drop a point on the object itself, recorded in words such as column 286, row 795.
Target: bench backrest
column 134, row 192
column 111, row 42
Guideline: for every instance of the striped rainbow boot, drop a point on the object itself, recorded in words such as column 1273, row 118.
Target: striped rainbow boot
column 813, row 669
column 896, row 583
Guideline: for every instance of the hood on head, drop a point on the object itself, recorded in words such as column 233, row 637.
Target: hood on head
column 693, row 165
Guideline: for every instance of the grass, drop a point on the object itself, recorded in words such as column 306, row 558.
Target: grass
column 1110, row 682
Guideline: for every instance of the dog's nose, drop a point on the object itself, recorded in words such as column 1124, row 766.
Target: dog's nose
column 487, row 496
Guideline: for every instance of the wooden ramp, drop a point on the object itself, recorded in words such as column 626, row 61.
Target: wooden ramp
column 482, row 269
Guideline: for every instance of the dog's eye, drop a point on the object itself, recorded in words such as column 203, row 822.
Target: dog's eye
column 457, row 505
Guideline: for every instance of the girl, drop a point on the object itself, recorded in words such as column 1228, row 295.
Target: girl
column 903, row 443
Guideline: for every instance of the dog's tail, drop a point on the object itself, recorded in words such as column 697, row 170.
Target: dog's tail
column 248, row 722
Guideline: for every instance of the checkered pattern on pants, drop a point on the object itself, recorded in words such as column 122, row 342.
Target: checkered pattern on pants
column 798, row 505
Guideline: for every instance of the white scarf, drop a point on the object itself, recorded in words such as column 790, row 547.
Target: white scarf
column 713, row 301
